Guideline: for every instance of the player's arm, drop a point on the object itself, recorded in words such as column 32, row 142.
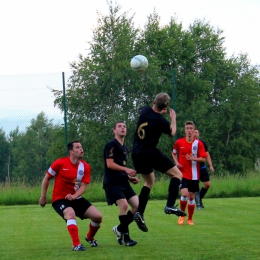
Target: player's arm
column 78, row 193
column 175, row 158
column 134, row 180
column 209, row 161
column 45, row 185
column 195, row 159
column 116, row 167
column 173, row 121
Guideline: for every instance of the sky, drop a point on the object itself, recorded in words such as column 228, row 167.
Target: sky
column 42, row 37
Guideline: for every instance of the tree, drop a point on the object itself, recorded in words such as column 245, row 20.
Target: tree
column 4, row 157
column 29, row 149
column 220, row 95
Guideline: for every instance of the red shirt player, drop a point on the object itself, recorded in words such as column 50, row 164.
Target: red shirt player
column 188, row 153
column 72, row 175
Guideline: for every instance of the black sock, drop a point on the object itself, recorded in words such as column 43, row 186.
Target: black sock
column 203, row 191
column 123, row 226
column 130, row 217
column 143, row 199
column 173, row 191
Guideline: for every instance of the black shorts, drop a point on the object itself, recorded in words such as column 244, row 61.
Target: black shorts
column 117, row 192
column 191, row 185
column 146, row 162
column 204, row 175
column 79, row 205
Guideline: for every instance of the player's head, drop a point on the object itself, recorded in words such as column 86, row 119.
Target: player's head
column 197, row 133
column 75, row 149
column 119, row 128
column 161, row 102
column 189, row 129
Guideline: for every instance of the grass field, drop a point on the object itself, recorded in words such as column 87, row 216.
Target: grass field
column 225, row 229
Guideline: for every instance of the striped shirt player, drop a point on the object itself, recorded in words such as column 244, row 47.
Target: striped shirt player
column 72, row 175
column 188, row 153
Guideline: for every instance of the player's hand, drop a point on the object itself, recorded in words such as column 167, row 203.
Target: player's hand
column 172, row 113
column 69, row 197
column 130, row 172
column 179, row 165
column 133, row 180
column 42, row 201
column 188, row 157
column 211, row 169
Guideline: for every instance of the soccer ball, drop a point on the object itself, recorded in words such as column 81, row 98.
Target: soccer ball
column 139, row 63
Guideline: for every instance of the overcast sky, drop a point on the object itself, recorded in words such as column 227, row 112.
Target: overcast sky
column 43, row 37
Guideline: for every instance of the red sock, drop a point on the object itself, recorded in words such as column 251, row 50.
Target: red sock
column 191, row 209
column 183, row 204
column 73, row 230
column 93, row 230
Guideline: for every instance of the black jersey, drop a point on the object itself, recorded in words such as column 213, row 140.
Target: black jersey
column 114, row 150
column 202, row 164
column 150, row 127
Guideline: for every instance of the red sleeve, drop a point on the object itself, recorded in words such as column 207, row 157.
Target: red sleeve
column 176, row 147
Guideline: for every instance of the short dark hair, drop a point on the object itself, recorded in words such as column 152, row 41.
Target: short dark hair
column 117, row 122
column 190, row 123
column 70, row 145
column 161, row 101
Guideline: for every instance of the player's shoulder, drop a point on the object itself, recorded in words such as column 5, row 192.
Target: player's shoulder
column 181, row 139
column 202, row 141
column 110, row 143
column 61, row 160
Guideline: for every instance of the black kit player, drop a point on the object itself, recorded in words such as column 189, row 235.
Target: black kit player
column 204, row 174
column 147, row 158
column 116, row 183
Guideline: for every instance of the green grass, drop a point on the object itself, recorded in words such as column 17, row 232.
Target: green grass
column 228, row 186
column 225, row 229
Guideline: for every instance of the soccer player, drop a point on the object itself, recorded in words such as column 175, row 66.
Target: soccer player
column 147, row 158
column 116, row 183
column 72, row 175
column 188, row 153
column 204, row 175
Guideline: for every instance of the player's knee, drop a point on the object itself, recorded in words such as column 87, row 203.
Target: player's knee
column 206, row 185
column 97, row 218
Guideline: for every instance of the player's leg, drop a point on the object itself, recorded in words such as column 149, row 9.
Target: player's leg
column 65, row 210
column 183, row 199
column 197, row 198
column 122, row 231
column 133, row 201
column 173, row 191
column 162, row 163
column 149, row 180
column 191, row 207
column 206, row 185
column 192, row 188
column 95, row 216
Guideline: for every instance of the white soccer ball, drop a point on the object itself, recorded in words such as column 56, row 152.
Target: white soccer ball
column 139, row 63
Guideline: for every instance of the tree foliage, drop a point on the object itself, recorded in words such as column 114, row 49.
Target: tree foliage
column 220, row 94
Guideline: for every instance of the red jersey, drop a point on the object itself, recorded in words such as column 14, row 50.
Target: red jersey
column 68, row 177
column 190, row 169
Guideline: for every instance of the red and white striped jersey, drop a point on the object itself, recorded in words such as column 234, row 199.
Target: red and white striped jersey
column 68, row 176
column 190, row 169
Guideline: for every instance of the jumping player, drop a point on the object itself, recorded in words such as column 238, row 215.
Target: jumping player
column 147, row 158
